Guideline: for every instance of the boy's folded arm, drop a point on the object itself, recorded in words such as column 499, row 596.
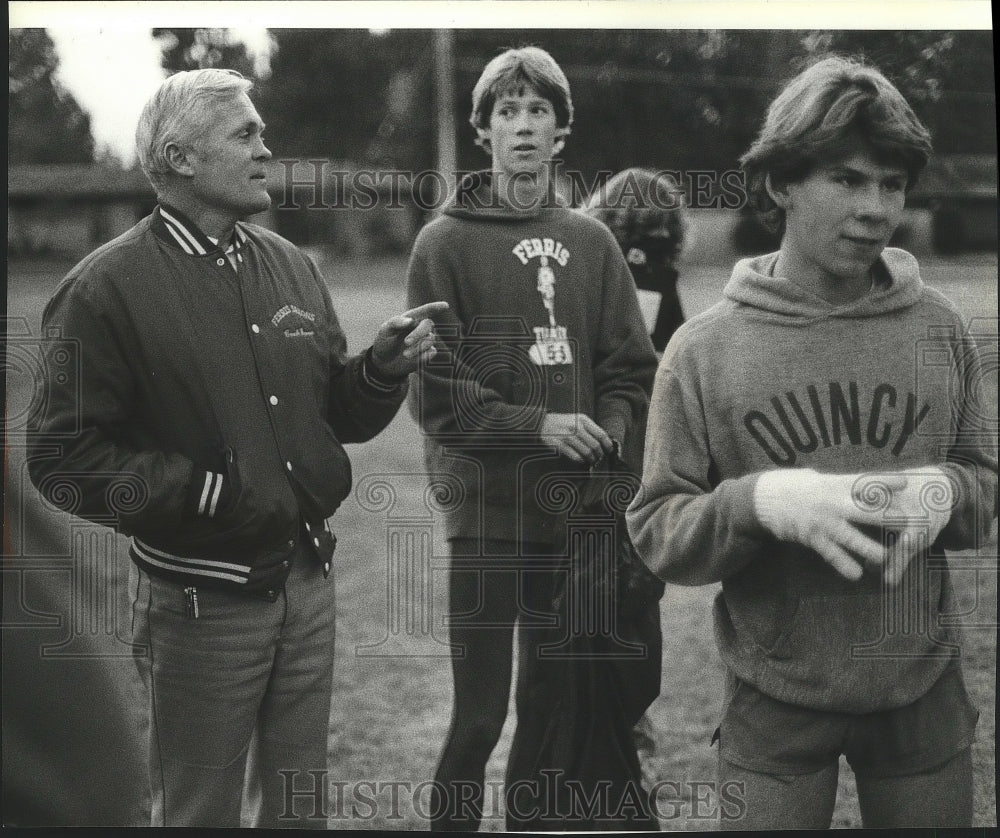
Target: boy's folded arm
column 453, row 403
column 974, row 487
column 696, row 538
column 687, row 530
column 971, row 463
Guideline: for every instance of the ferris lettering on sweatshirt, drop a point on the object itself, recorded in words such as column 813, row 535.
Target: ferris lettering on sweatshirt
column 837, row 419
column 527, row 249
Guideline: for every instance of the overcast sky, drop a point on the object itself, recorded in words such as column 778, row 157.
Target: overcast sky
column 112, row 72
column 90, row 65
column 111, row 64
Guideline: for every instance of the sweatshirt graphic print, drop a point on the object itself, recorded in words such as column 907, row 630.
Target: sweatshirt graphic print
column 544, row 318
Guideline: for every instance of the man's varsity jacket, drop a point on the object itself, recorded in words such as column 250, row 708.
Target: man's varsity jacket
column 198, row 400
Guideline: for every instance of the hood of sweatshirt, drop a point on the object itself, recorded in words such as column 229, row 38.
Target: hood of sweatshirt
column 897, row 286
column 476, row 197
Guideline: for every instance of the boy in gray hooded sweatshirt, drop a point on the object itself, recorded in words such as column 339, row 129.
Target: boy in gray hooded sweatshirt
column 815, row 440
column 545, row 368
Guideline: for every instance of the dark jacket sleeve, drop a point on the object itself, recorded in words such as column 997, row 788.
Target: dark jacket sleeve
column 78, row 454
column 362, row 403
column 449, row 397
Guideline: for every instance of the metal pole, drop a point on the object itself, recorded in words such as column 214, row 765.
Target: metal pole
column 444, row 96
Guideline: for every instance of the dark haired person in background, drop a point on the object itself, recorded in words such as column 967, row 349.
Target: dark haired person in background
column 645, row 212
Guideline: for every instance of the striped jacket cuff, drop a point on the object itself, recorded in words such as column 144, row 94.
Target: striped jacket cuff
column 377, row 381
column 160, row 561
column 208, row 495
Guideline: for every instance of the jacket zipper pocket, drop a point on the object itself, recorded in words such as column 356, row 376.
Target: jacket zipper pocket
column 191, row 603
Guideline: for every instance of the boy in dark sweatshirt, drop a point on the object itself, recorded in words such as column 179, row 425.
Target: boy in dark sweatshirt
column 814, row 441
column 545, row 367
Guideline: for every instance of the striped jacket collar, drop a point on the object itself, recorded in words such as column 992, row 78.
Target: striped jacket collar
column 177, row 230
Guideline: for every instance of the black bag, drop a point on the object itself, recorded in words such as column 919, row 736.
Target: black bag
column 586, row 768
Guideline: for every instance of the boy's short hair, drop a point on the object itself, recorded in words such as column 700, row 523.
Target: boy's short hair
column 817, row 117
column 636, row 200
column 514, row 69
column 180, row 111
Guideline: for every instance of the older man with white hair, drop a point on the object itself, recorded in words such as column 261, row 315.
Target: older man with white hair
column 206, row 419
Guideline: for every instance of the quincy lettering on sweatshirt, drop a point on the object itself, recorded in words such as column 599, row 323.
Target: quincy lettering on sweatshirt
column 775, row 377
column 832, row 414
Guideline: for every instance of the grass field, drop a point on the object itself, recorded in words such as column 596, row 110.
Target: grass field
column 392, row 677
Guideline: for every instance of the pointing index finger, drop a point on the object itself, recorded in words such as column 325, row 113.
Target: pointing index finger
column 426, row 310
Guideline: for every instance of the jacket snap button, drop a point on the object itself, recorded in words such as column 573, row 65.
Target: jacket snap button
column 220, row 262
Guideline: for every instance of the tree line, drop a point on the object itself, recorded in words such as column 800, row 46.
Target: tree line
column 677, row 99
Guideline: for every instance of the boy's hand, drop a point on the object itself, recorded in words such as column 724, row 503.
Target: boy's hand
column 918, row 511
column 576, row 436
column 823, row 512
column 403, row 340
